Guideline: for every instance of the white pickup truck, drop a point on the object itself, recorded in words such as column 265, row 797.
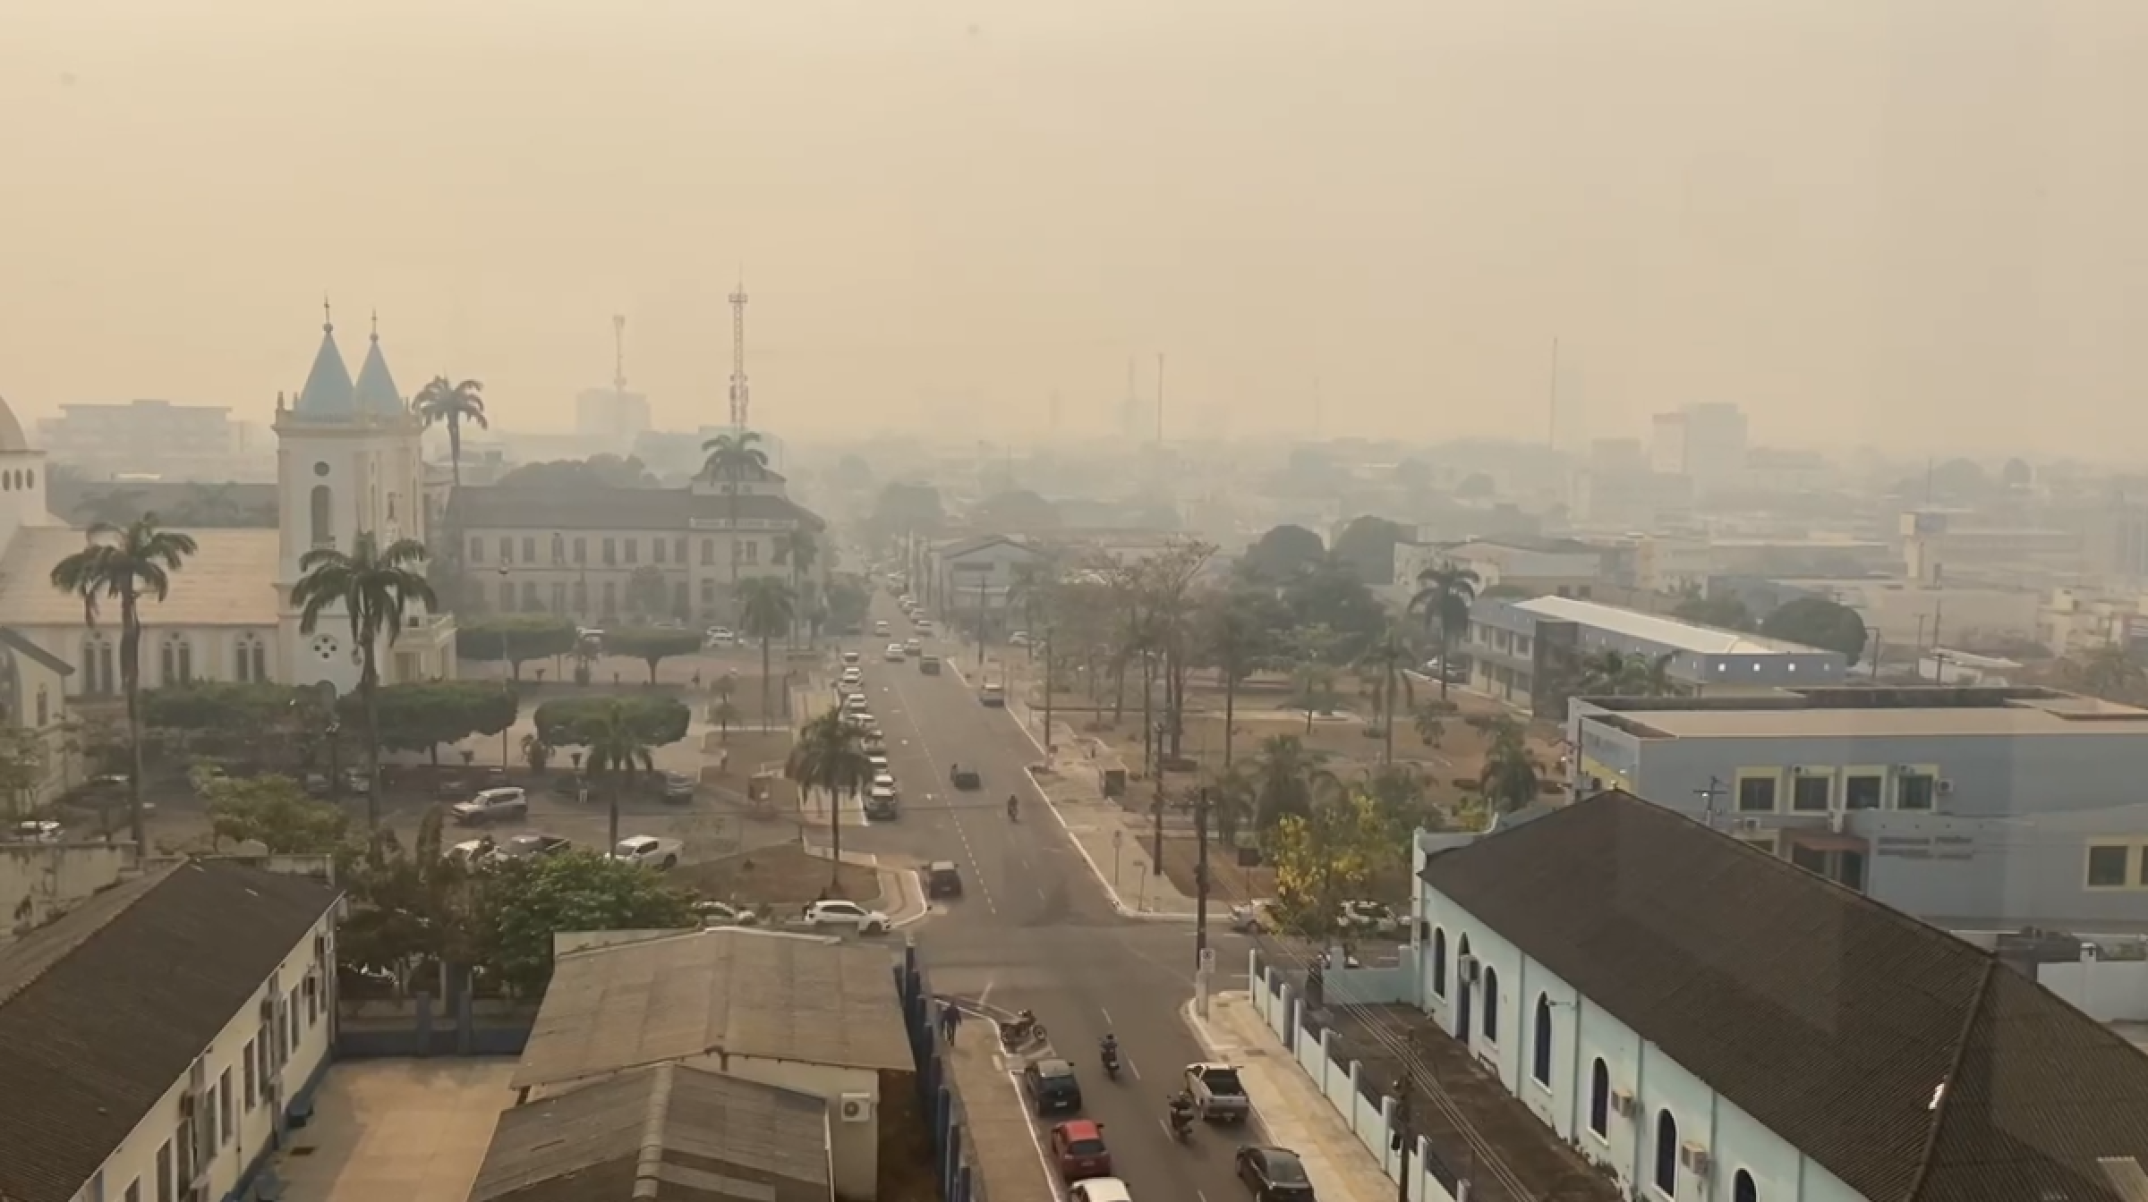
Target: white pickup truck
column 1217, row 1094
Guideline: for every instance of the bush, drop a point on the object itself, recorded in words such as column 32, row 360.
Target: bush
column 563, row 722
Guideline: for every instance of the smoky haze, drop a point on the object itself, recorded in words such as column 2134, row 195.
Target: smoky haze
column 1914, row 222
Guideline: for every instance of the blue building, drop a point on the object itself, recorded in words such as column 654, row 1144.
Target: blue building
column 1709, row 1023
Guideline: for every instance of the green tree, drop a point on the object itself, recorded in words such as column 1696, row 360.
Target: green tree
column 427, row 715
column 372, row 586
column 766, row 606
column 734, row 460
column 1510, row 773
column 651, row 644
column 1431, row 723
column 536, row 752
column 1818, row 622
column 517, row 638
column 443, row 403
column 1325, row 856
column 1330, row 595
column 574, row 721
column 830, row 755
column 1312, row 689
column 1724, row 611
column 1367, row 547
column 618, row 753
column 273, row 811
column 1388, row 661
column 1236, row 633
column 126, row 564
column 1444, row 594
column 215, row 705
column 1286, row 775
column 1398, row 793
column 1281, row 554
column 1232, row 797
column 525, row 902
column 22, row 769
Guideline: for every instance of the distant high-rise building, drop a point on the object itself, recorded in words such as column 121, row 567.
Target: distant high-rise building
column 1705, row 442
column 611, row 413
column 177, row 442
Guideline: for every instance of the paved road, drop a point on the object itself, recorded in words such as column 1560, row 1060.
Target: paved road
column 1036, row 930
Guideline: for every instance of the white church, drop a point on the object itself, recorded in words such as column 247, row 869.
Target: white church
column 348, row 460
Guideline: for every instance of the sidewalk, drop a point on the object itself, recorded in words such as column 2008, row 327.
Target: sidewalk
column 1115, row 843
column 1001, row 1144
column 1290, row 1108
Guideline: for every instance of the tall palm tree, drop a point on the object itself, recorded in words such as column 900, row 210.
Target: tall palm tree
column 732, row 460
column 1388, row 660
column 1445, row 592
column 1286, row 777
column 618, row 752
column 1510, row 773
column 799, row 549
column 373, row 585
column 126, row 563
column 830, row 755
column 766, row 607
column 441, row 402
column 1232, row 793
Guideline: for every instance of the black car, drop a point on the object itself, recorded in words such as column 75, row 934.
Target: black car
column 1052, row 1086
column 965, row 779
column 943, row 879
column 1274, row 1175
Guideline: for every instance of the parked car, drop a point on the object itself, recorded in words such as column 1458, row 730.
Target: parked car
column 943, row 879
column 1079, row 1151
column 1274, row 1174
column 649, row 851
column 1052, row 1086
column 678, row 787
column 1217, row 1094
column 533, row 847
column 838, row 913
column 1367, row 918
column 893, row 654
column 1100, row 1189
column 992, row 696
column 850, row 658
column 471, row 853
column 965, row 779
column 1256, row 917
column 878, row 762
column 724, row 914
column 882, row 804
column 913, row 647
column 491, row 805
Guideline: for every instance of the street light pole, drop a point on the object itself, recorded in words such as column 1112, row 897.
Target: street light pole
column 1156, row 775
column 507, row 665
column 1047, row 691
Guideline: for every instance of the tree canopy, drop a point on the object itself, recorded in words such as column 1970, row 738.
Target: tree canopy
column 1818, row 622
column 1725, row 611
column 575, row 721
column 904, row 508
column 428, row 715
column 1282, row 553
column 1332, row 596
column 1367, row 545
column 1016, row 509
column 597, row 471
column 651, row 644
column 524, row 902
column 518, row 638
column 272, row 811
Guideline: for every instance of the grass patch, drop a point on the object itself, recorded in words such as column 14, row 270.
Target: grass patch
column 783, row 877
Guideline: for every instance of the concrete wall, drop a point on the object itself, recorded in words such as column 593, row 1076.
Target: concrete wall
column 38, row 881
column 2109, row 991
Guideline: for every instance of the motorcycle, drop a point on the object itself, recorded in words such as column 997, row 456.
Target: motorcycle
column 1111, row 1061
column 1181, row 1120
column 1020, row 1031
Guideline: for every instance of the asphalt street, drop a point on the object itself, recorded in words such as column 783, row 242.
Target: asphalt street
column 1036, row 930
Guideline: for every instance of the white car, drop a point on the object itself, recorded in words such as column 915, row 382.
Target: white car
column 855, row 703
column 1100, row 1189
column 491, row 805
column 884, row 780
column 846, row 914
column 1255, row 917
column 719, row 636
column 853, row 677
column 879, row 765
column 1367, row 917
column 851, row 658
column 649, row 851
column 893, row 654
column 723, row 914
column 470, row 853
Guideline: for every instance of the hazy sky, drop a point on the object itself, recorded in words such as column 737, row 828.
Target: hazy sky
column 1865, row 219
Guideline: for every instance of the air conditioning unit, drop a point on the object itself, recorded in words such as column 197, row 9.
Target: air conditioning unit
column 1622, row 1103
column 855, row 1107
column 1695, row 1159
column 1468, row 967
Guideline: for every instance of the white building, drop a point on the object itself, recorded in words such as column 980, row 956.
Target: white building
column 1709, row 1024
column 156, row 1040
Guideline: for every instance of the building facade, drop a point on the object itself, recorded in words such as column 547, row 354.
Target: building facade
column 170, row 441
column 965, row 579
column 1971, row 808
column 1533, row 654
column 601, row 554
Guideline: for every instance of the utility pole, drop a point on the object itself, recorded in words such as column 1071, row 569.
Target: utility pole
column 1401, row 1137
column 1200, row 877
column 980, row 621
column 1156, row 850
column 619, row 353
column 1708, row 794
column 1551, row 430
column 740, row 394
column 1047, row 690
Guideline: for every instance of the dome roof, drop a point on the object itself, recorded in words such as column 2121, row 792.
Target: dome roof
column 11, row 438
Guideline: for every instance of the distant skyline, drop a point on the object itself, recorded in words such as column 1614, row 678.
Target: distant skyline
column 1891, row 222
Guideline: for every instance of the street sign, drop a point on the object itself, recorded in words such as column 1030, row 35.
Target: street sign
column 1208, row 959
column 1118, row 836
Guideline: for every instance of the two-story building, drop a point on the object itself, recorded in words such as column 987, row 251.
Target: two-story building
column 799, row 1014
column 1975, row 808
column 1706, row 1023
column 1532, row 654
column 968, row 577
column 597, row 553
column 155, row 1039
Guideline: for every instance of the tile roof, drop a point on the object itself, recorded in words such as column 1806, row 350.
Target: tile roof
column 1826, row 1016
column 670, row 1133
column 747, row 993
column 103, row 1009
column 229, row 582
column 514, row 507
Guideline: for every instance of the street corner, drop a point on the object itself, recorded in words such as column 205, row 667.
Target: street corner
column 902, row 896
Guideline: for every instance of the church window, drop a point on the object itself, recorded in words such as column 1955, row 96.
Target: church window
column 324, row 530
column 559, row 548
column 581, row 549
column 657, row 548
column 320, row 469
column 581, row 596
column 529, row 596
column 529, row 549
column 98, row 677
column 44, row 707
column 611, row 551
column 507, row 550
column 708, row 591
column 611, row 598
column 177, row 660
column 633, row 550
column 477, row 550
column 678, row 598
column 559, row 596
column 679, row 548
column 251, row 660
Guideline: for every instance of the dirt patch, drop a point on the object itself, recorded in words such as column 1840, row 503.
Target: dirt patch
column 1230, row 883
column 784, row 877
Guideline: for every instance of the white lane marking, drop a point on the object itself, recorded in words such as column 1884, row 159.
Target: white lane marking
column 1107, row 1016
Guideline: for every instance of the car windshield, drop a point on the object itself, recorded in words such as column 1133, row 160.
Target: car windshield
column 1285, row 1169
column 1222, row 1080
column 1086, row 1147
column 1055, row 1069
column 630, row 846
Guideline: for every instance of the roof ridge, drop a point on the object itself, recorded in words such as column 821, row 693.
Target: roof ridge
column 1944, row 1090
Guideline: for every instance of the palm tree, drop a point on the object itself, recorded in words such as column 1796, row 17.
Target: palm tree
column 1286, row 777
column 830, row 755
column 1617, row 674
column 766, row 607
column 1388, row 660
column 1444, row 594
column 1231, row 796
column 799, row 549
column 1235, row 636
column 618, row 752
column 373, row 586
column 1430, row 725
column 442, row 402
column 126, row 563
column 732, row 459
column 1510, row 774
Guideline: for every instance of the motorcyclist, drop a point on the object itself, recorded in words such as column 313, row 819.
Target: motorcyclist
column 1110, row 1052
column 1014, row 808
column 1181, row 1112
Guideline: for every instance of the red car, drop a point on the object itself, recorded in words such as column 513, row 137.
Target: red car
column 1078, row 1149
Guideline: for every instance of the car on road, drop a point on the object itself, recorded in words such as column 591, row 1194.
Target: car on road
column 893, row 654
column 838, row 913
column 718, row 636
column 924, row 628
column 533, row 847
column 943, row 879
column 1100, row 1189
column 1019, row 638
column 877, row 761
column 724, row 914
column 1274, row 1174
column 1052, row 1086
column 491, row 805
column 913, row 647
column 880, row 628
column 855, row 703
column 649, row 851
column 1217, row 1094
column 929, row 664
column 883, row 804
column 471, row 853
column 992, row 696
column 678, row 787
column 965, row 779
column 1078, row 1150
column 1256, row 917
column 850, row 658
column 852, row 678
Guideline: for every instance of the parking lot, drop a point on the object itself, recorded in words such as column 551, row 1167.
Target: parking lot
column 397, row 1131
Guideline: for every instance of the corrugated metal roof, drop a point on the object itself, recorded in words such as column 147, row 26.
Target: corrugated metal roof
column 1662, row 631
column 742, row 993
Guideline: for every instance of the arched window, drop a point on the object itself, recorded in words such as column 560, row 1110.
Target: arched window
column 1540, row 1054
column 1666, row 1153
column 44, row 707
column 177, row 660
column 1491, row 1003
column 324, row 530
column 251, row 660
column 1439, row 962
column 1600, row 1097
column 98, row 677
column 1742, row 1188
